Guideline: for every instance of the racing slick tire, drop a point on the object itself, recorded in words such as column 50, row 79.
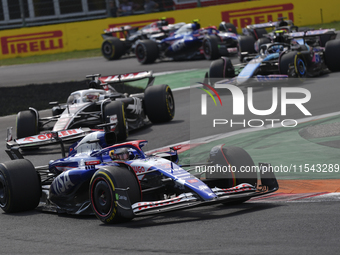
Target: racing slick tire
column 116, row 108
column 326, row 37
column 27, row 124
column 103, row 193
column 113, row 48
column 262, row 41
column 236, row 159
column 146, row 51
column 20, row 188
column 246, row 44
column 221, row 68
column 159, row 103
column 227, row 27
column 332, row 55
column 259, row 33
column 297, row 60
column 210, row 47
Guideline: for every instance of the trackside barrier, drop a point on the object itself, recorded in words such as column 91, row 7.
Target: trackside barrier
column 86, row 35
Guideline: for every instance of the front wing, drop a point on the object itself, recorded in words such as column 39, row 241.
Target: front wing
column 241, row 192
column 45, row 139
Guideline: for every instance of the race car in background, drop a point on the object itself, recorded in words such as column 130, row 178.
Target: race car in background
column 265, row 33
column 189, row 42
column 296, row 54
column 120, row 182
column 99, row 105
column 114, row 47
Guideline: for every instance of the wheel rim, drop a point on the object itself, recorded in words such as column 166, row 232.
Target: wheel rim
column 140, row 52
column 171, row 103
column 108, row 49
column 3, row 192
column 102, row 197
column 207, row 49
column 301, row 68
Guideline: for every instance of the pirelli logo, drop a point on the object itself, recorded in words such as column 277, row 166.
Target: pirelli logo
column 35, row 42
column 139, row 24
column 243, row 17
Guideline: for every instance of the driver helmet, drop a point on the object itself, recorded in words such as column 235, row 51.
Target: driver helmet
column 91, row 97
column 119, row 154
column 196, row 25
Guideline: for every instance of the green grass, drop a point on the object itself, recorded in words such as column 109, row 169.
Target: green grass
column 335, row 24
column 97, row 52
column 51, row 57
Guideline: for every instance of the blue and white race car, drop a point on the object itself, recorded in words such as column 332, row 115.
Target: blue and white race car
column 189, row 42
column 119, row 182
column 296, row 54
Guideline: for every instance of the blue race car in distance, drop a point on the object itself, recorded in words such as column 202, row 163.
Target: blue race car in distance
column 189, row 42
column 297, row 54
column 119, row 182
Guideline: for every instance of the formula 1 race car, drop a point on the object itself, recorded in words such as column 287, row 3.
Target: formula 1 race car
column 188, row 42
column 257, row 33
column 297, row 54
column 119, row 182
column 114, row 47
column 100, row 104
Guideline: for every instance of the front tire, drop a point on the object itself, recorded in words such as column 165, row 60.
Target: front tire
column 103, row 196
column 236, row 159
column 221, row 68
column 27, row 124
column 20, row 188
column 146, row 51
column 116, row 108
column 159, row 103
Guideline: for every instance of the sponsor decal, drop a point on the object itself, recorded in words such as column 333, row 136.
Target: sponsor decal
column 35, row 42
column 244, row 17
column 48, row 136
column 62, row 183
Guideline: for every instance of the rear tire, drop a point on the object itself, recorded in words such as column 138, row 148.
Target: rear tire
column 246, row 44
column 210, row 48
column 113, row 48
column 146, row 51
column 20, row 188
column 332, row 55
column 159, row 103
column 27, row 124
column 259, row 33
column 116, row 108
column 104, row 198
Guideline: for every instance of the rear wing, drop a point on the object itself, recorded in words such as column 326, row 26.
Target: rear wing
column 312, row 33
column 118, row 29
column 121, row 78
column 263, row 25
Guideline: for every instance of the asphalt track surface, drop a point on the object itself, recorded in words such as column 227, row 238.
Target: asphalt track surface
column 256, row 228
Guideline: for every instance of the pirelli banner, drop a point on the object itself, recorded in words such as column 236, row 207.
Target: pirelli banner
column 87, row 34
